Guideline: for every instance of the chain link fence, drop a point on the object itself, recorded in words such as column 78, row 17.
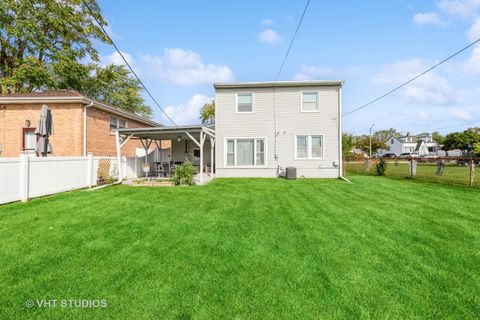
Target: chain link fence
column 457, row 171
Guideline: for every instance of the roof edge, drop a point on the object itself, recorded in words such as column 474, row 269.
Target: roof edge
column 76, row 99
column 269, row 84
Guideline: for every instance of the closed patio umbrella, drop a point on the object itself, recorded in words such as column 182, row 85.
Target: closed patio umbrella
column 44, row 131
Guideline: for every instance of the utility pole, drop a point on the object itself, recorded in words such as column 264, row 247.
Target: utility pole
column 371, row 127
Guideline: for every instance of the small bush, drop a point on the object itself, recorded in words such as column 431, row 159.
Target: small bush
column 381, row 167
column 183, row 174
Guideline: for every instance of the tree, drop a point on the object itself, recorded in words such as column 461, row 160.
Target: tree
column 348, row 143
column 383, row 135
column 43, row 44
column 363, row 143
column 436, row 136
column 462, row 140
column 207, row 113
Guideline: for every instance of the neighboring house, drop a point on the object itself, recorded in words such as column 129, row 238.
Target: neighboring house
column 261, row 126
column 81, row 124
column 421, row 145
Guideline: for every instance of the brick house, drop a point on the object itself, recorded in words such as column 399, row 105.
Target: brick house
column 81, row 124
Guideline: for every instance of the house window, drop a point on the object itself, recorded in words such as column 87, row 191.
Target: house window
column 308, row 147
column 117, row 123
column 244, row 102
column 29, row 139
column 245, row 152
column 196, row 153
column 309, row 101
column 391, row 141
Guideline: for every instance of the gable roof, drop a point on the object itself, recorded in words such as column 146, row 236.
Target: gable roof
column 71, row 96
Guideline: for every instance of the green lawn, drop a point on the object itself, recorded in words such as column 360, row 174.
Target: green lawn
column 453, row 173
column 247, row 249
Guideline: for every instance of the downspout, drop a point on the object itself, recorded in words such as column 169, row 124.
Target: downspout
column 85, row 127
column 340, row 138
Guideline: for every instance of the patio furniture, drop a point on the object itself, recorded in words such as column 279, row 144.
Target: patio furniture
column 164, row 169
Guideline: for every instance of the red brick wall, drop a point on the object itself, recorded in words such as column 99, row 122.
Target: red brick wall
column 67, row 140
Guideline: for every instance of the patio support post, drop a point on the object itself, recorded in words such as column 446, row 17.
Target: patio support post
column 119, row 158
column 212, row 145
column 202, row 140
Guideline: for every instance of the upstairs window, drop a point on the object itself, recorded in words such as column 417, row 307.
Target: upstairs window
column 244, row 102
column 309, row 101
column 117, row 123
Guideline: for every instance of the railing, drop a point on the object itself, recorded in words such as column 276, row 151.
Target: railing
column 447, row 170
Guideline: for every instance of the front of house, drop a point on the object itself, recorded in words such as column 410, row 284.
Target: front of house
column 264, row 126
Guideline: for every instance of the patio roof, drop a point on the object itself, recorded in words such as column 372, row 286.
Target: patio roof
column 167, row 133
column 196, row 133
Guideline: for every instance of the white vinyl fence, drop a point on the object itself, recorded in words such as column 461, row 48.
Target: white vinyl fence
column 28, row 177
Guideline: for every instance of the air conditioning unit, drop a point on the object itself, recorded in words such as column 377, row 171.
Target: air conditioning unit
column 291, row 173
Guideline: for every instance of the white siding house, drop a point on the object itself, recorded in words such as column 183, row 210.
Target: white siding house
column 261, row 126
column 422, row 145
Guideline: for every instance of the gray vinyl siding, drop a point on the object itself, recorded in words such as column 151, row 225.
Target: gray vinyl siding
column 290, row 122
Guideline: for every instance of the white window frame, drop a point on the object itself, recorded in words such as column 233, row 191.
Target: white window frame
column 236, row 102
column 117, row 120
column 265, row 165
column 318, row 101
column 309, row 146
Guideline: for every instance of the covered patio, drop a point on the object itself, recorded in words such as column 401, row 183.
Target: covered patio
column 187, row 142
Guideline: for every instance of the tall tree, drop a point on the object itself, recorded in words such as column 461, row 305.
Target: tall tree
column 348, row 143
column 207, row 113
column 383, row 135
column 43, row 44
column 363, row 143
column 436, row 136
column 462, row 140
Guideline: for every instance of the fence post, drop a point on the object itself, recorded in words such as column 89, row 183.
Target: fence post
column 24, row 176
column 472, row 172
column 89, row 169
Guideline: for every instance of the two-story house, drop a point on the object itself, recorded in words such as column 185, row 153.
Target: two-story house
column 263, row 126
column 421, row 145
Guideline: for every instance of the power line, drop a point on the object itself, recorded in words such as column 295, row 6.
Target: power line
column 278, row 75
column 126, row 62
column 412, row 79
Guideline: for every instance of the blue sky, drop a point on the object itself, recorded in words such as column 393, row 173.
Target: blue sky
column 179, row 48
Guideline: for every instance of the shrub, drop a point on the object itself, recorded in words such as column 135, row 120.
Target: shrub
column 381, row 167
column 183, row 174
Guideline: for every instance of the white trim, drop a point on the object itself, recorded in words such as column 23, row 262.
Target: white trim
column 265, row 165
column 317, row 92
column 236, row 101
column 309, row 146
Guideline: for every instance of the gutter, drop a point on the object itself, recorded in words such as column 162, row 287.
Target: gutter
column 85, row 127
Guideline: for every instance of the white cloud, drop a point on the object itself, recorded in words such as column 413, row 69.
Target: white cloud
column 473, row 33
column 267, row 22
column 472, row 65
column 462, row 113
column 424, row 18
column 185, row 67
column 428, row 89
column 115, row 58
column 269, row 36
column 189, row 112
column 175, row 66
column 462, row 9
column 423, row 115
column 313, row 72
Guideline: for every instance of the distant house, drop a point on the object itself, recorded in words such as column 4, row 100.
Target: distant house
column 421, row 145
column 81, row 124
